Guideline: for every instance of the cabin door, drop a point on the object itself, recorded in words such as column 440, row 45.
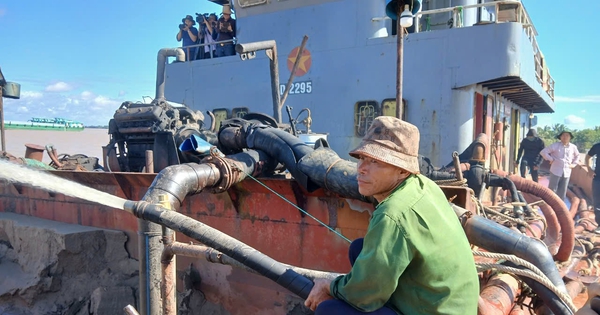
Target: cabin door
column 515, row 135
column 479, row 115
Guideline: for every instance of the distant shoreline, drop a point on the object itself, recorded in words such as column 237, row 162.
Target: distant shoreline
column 97, row 127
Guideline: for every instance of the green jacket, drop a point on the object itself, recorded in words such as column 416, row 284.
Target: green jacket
column 415, row 259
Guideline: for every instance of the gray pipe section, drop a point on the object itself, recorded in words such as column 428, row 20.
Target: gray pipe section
column 494, row 237
column 177, row 182
column 161, row 62
column 174, row 181
column 251, row 47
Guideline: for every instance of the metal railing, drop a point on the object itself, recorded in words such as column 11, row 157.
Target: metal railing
column 186, row 49
column 506, row 11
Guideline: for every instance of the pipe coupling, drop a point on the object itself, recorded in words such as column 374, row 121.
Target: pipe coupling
column 229, row 175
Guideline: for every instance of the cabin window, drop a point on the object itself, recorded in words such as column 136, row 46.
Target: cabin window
column 249, row 3
column 239, row 112
column 220, row 115
column 388, row 107
column 364, row 114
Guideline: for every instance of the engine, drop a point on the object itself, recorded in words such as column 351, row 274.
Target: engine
column 159, row 126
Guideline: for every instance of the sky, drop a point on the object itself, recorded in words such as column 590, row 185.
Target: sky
column 81, row 59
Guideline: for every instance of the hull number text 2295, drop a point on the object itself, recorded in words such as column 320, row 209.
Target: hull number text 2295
column 304, row 87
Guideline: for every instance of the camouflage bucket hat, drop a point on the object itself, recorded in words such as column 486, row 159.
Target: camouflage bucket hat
column 392, row 141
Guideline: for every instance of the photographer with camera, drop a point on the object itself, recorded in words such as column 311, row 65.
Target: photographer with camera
column 207, row 36
column 226, row 31
column 189, row 34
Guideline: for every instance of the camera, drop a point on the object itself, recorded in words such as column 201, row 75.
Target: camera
column 201, row 17
column 181, row 26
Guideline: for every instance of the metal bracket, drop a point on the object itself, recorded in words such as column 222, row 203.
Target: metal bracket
column 248, row 55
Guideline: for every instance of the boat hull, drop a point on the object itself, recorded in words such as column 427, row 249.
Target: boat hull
column 247, row 211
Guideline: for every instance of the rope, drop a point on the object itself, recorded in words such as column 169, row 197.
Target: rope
column 565, row 298
column 451, row 182
column 295, row 206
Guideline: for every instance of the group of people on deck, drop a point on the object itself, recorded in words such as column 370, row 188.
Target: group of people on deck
column 563, row 157
column 217, row 35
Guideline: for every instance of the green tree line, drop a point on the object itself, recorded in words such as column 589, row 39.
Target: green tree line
column 584, row 139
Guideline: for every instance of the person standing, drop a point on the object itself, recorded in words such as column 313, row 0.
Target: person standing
column 530, row 149
column 415, row 257
column 189, row 35
column 563, row 157
column 226, row 32
column 595, row 151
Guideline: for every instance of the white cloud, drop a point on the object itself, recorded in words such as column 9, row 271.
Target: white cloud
column 574, row 120
column 59, row 87
column 86, row 107
column 578, row 99
column 31, row 94
column 121, row 93
column 87, row 95
column 2, row 12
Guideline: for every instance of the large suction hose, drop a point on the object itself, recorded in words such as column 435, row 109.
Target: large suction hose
column 233, row 248
column 238, row 134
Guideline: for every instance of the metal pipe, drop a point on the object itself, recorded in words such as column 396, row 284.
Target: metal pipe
column 399, row 63
column 2, row 121
column 168, row 268
column 171, row 186
column 174, row 181
column 130, row 310
column 214, row 256
column 552, row 238
column 214, row 238
column 161, row 61
column 498, row 295
column 293, row 73
column 213, row 123
column 457, row 168
column 270, row 46
column 149, row 161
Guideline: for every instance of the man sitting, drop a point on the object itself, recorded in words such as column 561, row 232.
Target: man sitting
column 415, row 257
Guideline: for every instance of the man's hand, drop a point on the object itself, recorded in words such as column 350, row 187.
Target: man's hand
column 516, row 163
column 535, row 168
column 572, row 166
column 593, row 291
column 319, row 293
column 229, row 29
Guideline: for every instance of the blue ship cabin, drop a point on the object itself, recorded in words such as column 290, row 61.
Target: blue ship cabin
column 470, row 68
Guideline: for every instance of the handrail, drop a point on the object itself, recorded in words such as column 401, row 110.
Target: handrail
column 521, row 16
column 187, row 48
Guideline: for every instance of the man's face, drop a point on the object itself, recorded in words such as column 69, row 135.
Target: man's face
column 226, row 16
column 565, row 138
column 376, row 178
column 188, row 23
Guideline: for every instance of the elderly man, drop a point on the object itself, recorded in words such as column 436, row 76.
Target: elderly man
column 415, row 257
column 563, row 157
